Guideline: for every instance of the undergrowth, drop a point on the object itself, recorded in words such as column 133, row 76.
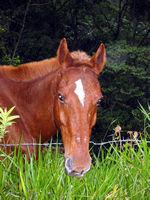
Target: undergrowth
column 118, row 174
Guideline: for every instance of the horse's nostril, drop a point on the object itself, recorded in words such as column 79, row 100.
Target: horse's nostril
column 68, row 165
column 82, row 172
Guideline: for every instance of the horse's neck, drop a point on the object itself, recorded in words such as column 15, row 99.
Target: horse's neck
column 29, row 71
column 37, row 92
column 36, row 105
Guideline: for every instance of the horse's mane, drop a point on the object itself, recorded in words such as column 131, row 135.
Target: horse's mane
column 36, row 69
column 29, row 70
column 80, row 56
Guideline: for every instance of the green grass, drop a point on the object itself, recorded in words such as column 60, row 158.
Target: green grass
column 118, row 175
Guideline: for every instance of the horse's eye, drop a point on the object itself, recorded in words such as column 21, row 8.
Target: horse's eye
column 98, row 103
column 61, row 98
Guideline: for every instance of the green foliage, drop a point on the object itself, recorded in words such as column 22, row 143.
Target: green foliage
column 11, row 61
column 6, row 120
column 125, row 82
column 117, row 175
column 146, row 112
column 122, row 25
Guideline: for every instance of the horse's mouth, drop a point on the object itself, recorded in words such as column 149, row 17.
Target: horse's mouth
column 71, row 170
column 76, row 174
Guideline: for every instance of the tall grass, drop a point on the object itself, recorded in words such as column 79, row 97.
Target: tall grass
column 116, row 175
column 146, row 113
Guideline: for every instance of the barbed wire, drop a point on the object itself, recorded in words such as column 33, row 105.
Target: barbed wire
column 60, row 143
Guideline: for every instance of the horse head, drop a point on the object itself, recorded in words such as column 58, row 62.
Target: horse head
column 78, row 94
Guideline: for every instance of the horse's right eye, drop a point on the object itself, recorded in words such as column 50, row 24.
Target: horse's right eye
column 61, row 98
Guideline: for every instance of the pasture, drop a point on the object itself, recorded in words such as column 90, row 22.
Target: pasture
column 60, row 89
column 115, row 175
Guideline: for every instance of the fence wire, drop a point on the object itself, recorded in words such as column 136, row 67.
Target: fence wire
column 60, row 143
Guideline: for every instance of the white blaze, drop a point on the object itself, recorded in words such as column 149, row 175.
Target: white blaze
column 80, row 91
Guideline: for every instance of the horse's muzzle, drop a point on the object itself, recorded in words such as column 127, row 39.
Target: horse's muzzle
column 75, row 170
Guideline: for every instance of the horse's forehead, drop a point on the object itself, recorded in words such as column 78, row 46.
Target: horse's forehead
column 81, row 79
column 83, row 74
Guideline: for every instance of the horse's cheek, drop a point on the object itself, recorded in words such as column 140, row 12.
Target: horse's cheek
column 62, row 117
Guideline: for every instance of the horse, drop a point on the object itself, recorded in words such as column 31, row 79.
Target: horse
column 60, row 93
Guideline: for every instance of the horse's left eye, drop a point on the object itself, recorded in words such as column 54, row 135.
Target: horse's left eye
column 98, row 103
column 61, row 98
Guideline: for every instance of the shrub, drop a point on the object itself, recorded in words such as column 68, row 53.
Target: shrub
column 125, row 83
column 7, row 60
column 6, row 120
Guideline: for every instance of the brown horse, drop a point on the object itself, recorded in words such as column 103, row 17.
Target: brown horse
column 57, row 93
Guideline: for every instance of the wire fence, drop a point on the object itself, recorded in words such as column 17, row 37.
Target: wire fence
column 60, row 143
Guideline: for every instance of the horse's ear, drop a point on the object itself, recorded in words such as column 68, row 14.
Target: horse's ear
column 99, row 59
column 63, row 53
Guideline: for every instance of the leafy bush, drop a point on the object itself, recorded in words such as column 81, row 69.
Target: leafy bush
column 7, row 60
column 6, row 120
column 125, row 83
